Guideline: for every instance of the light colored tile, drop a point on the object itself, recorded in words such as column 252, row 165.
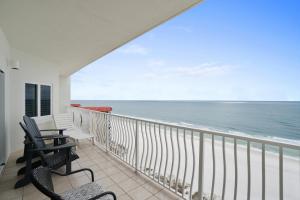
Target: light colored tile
column 29, row 189
column 166, row 195
column 109, row 172
column 112, row 170
column 105, row 182
column 140, row 179
column 153, row 198
column 34, row 196
column 124, row 197
column 116, row 189
column 129, row 184
column 11, row 193
column 99, row 174
column 78, row 181
column 139, row 193
column 62, row 187
column 152, row 187
column 119, row 177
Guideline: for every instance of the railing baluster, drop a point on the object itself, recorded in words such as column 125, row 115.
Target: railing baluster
column 161, row 152
column 201, row 164
column 136, row 146
column 113, row 131
column 125, row 133
column 263, row 173
column 156, row 151
column 129, row 140
column 280, row 173
column 185, row 162
column 193, row 171
column 224, row 168
column 249, row 171
column 152, row 148
column 172, row 165
column 147, row 154
column 235, row 170
column 142, row 133
column 178, row 168
column 107, row 133
column 120, row 145
column 117, row 136
column 167, row 153
column 131, row 132
column 123, row 143
column 214, row 166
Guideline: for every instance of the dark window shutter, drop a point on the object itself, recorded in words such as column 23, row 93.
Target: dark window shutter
column 31, row 100
column 45, row 100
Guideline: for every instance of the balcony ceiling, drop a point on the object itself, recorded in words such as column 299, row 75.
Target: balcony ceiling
column 74, row 33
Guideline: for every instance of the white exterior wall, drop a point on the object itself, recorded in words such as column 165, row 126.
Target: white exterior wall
column 32, row 70
column 4, row 56
column 65, row 92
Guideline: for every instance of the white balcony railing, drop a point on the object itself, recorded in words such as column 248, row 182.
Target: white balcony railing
column 195, row 163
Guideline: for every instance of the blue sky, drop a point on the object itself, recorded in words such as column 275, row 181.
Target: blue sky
column 219, row 50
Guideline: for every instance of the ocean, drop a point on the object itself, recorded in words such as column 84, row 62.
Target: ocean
column 275, row 120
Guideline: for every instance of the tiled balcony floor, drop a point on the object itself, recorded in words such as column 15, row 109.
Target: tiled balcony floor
column 108, row 171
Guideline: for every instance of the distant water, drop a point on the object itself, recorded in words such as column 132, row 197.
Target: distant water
column 276, row 120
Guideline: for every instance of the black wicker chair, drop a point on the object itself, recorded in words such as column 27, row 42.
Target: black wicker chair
column 58, row 139
column 62, row 154
column 41, row 178
column 61, row 138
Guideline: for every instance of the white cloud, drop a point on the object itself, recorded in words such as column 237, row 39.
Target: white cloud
column 134, row 49
column 156, row 63
column 204, row 69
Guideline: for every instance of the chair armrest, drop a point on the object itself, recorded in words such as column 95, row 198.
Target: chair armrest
column 74, row 172
column 60, row 147
column 50, row 137
column 63, row 129
column 60, row 131
column 104, row 194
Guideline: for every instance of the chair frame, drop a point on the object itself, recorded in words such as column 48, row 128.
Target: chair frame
column 35, row 145
column 55, row 196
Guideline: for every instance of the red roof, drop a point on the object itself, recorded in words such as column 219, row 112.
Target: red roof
column 99, row 109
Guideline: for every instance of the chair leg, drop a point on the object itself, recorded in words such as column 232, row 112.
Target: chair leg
column 68, row 163
column 33, row 165
column 26, row 179
column 21, row 159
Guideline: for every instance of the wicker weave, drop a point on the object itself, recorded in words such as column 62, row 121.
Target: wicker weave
column 85, row 192
column 41, row 178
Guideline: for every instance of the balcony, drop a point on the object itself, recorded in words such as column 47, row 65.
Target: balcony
column 144, row 159
column 109, row 172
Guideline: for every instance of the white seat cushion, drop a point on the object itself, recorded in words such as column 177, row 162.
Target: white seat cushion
column 65, row 121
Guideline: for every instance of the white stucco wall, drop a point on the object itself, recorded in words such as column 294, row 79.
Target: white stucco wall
column 32, row 70
column 4, row 56
column 65, row 92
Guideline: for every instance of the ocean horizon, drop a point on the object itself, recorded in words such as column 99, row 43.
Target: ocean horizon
column 278, row 120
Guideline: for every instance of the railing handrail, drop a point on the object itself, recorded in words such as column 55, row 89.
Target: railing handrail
column 203, row 131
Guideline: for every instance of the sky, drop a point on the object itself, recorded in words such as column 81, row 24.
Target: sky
column 218, row 50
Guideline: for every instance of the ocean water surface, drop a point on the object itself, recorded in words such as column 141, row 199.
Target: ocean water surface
column 276, row 120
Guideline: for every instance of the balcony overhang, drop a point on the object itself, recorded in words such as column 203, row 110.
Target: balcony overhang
column 74, row 33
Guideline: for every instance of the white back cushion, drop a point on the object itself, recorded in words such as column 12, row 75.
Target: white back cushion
column 63, row 121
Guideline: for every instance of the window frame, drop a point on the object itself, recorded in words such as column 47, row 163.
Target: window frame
column 36, row 99
column 38, row 84
column 40, row 99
